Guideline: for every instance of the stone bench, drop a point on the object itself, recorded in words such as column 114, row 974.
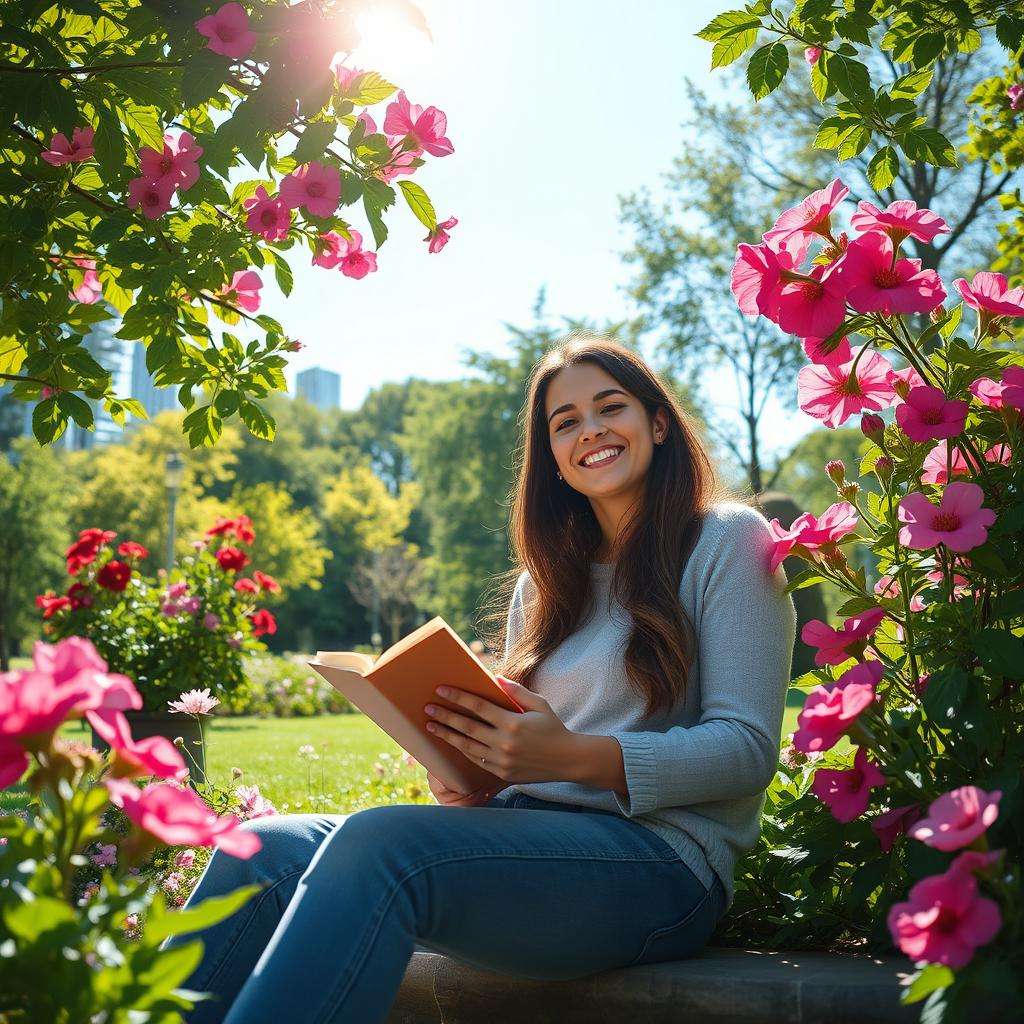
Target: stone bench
column 721, row 985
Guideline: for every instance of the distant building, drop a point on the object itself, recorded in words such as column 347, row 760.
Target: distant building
column 154, row 400
column 319, row 387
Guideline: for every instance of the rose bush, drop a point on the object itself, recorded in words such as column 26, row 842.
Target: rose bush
column 171, row 633
column 896, row 817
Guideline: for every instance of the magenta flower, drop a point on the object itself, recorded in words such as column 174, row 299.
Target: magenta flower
column 815, row 305
column 903, row 380
column 438, row 238
column 927, row 414
column 334, row 246
column 812, row 54
column 63, row 152
column 244, row 290
column 944, row 920
column 176, row 166
column 757, row 274
column 833, row 393
column 403, row 162
column 988, row 293
column 425, row 128
column 194, row 702
column 812, row 349
column 836, row 522
column 959, row 522
column 1012, row 383
column 957, row 818
column 976, row 861
column 938, row 459
column 315, row 186
column 1015, row 94
column 152, row 197
column 874, row 283
column 894, row 822
column 829, row 711
column 155, row 755
column 838, row 645
column 811, row 216
column 848, row 791
column 268, row 217
column 179, row 816
column 351, row 258
column 227, row 31
column 899, row 220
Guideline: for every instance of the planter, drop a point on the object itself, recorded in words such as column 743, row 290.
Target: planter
column 165, row 723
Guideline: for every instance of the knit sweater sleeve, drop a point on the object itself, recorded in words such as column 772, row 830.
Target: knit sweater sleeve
column 745, row 630
column 514, row 624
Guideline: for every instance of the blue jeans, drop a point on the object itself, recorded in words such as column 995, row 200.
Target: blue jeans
column 505, row 887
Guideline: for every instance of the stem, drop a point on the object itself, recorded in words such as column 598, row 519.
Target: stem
column 85, row 69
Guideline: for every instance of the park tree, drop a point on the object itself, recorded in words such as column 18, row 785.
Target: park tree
column 386, row 584
column 156, row 160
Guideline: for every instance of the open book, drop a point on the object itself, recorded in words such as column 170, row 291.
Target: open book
column 394, row 689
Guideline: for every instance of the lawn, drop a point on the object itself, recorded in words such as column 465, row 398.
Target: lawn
column 341, row 780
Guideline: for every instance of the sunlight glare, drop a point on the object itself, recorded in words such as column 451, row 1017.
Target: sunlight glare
column 388, row 41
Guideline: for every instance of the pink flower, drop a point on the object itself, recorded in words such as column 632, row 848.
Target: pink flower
column 959, row 522
column 179, row 816
column 1015, row 94
column 185, row 859
column 838, row 645
column 898, row 220
column 90, row 289
column 960, row 585
column 757, row 274
column 247, row 586
column 176, row 166
column 894, row 822
column 836, row 522
column 829, row 711
column 315, row 186
column 1012, row 383
column 13, row 757
column 177, row 590
column 438, row 237
column 812, row 54
column 835, row 392
column 210, row 621
column 227, row 32
column 812, row 216
column 153, row 197
column 988, row 392
column 194, row 702
column 957, row 818
column 353, row 259
column 173, row 881
column 268, row 217
column 244, row 290
column 814, row 306
column 155, row 755
column 840, row 354
column 347, row 78
column 190, row 605
column 403, row 162
column 265, row 581
column 330, row 257
column 889, row 587
column 976, row 860
column 927, row 414
column 425, row 128
column 106, row 857
column 988, row 293
column 944, row 920
column 254, row 804
column 63, row 152
column 903, row 380
column 873, row 283
column 848, row 791
column 74, row 661
column 937, row 460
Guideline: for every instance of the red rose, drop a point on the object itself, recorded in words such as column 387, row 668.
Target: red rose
column 265, row 581
column 247, row 586
column 84, row 550
column 114, row 575
column 132, row 550
column 263, row 622
column 232, row 560
column 79, row 596
column 50, row 603
column 221, row 527
column 240, row 528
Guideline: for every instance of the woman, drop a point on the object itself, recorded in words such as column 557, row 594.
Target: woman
column 651, row 650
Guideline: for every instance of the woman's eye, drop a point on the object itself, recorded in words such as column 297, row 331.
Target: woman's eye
column 607, row 408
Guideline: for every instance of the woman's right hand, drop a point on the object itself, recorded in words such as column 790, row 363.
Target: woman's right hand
column 453, row 798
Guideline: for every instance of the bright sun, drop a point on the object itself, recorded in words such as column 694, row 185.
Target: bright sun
column 389, row 39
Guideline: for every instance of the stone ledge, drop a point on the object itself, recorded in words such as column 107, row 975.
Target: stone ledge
column 721, row 986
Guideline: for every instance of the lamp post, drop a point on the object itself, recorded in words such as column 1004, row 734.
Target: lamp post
column 174, row 472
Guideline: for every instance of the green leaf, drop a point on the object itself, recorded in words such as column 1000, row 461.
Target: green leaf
column 854, row 142
column 925, row 982
column 767, row 69
column 283, row 274
column 927, row 47
column 316, row 137
column 227, row 403
column 47, row 422
column 77, row 408
column 728, row 24
column 952, row 321
column 148, row 88
column 372, row 88
column 111, row 154
column 851, row 77
column 112, row 226
column 211, row 911
column 377, row 197
column 883, row 168
column 820, row 85
column 929, row 146
column 29, row 920
column 204, row 74
column 806, row 578
column 833, row 131
column 732, row 47
column 912, row 84
column 420, row 204
column 144, row 124
column 1010, row 31
column 1001, row 653
column 260, row 423
column 945, row 694
column 1009, row 606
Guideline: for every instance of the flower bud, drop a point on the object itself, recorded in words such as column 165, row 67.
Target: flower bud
column 178, row 741
column 937, row 313
column 836, row 471
column 883, row 468
column 849, row 492
column 293, row 345
column 236, row 773
column 872, row 426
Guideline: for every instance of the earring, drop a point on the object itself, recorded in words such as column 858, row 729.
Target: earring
column 559, row 475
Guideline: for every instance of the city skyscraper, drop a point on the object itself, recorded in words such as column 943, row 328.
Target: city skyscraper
column 154, row 400
column 319, row 387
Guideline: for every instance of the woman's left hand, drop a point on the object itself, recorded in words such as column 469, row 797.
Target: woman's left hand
column 532, row 746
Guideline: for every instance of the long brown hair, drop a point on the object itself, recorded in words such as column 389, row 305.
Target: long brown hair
column 554, row 534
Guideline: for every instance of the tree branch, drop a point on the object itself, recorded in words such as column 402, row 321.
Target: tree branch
column 86, row 69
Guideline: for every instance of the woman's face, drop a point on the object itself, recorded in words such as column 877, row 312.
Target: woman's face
column 587, row 411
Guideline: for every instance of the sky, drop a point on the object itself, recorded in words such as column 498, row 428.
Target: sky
column 555, row 109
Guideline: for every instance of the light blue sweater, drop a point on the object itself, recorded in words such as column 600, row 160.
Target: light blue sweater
column 697, row 773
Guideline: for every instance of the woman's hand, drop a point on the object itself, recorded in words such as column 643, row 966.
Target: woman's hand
column 453, row 798
column 532, row 746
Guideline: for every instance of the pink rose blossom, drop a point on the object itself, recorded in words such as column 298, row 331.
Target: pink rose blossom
column 835, row 392
column 176, row 166
column 944, row 920
column 185, row 859
column 838, row 645
column 894, row 822
column 989, row 293
column 194, row 702
column 254, row 804
column 177, row 590
column 959, row 522
column 812, row 54
column 152, row 197
column 155, row 755
column 244, row 291
column 757, row 274
column 438, row 238
column 268, row 217
column 899, row 220
column 227, row 31
column 873, row 283
column 315, row 186
column 927, row 414
column 425, row 128
column 812, row 216
column 89, row 290
column 835, row 523
column 957, row 818
column 848, row 791
column 830, row 711
column 840, row 354
column 179, row 816
column 63, row 152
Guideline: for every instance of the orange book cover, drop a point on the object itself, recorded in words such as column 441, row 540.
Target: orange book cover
column 394, row 688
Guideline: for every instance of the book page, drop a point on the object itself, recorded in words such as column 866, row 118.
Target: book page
column 413, row 638
column 353, row 661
